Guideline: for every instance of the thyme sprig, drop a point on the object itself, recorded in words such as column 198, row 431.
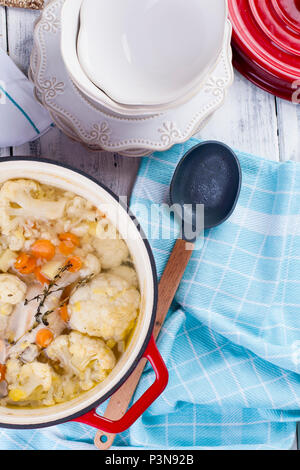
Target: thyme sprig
column 42, row 317
column 48, row 290
column 82, row 282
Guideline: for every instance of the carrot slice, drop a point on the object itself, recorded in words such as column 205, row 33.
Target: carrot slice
column 44, row 337
column 2, row 372
column 25, row 264
column 39, row 276
column 43, row 249
column 75, row 263
column 66, row 247
column 69, row 237
column 63, row 312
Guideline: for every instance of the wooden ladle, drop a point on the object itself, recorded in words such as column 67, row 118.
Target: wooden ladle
column 209, row 174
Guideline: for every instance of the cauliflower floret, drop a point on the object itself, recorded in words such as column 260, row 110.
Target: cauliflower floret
column 105, row 230
column 91, row 265
column 6, row 309
column 20, row 198
column 112, row 253
column 76, row 205
column 12, row 289
column 80, row 209
column 16, row 240
column 7, row 260
column 28, row 381
column 81, row 229
column 89, row 359
column 64, row 388
column 106, row 307
column 127, row 273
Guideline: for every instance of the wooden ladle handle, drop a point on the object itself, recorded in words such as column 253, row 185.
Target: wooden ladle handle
column 168, row 286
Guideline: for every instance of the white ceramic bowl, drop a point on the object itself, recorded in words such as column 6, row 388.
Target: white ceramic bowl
column 150, row 52
column 70, row 17
column 141, row 343
column 70, row 21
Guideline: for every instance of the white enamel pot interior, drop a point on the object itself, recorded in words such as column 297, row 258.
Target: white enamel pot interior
column 68, row 179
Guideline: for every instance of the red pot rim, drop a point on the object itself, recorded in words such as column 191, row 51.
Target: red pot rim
column 260, row 77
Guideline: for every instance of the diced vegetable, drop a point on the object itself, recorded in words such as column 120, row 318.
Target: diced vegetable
column 69, row 237
column 2, row 372
column 69, row 241
column 50, row 269
column 17, row 394
column 44, row 337
column 66, row 248
column 40, row 277
column 63, row 312
column 92, row 228
column 25, row 264
column 16, row 241
column 43, row 249
column 76, row 263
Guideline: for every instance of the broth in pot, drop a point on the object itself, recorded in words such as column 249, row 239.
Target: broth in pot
column 69, row 295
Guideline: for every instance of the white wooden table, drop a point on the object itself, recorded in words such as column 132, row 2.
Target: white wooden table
column 251, row 120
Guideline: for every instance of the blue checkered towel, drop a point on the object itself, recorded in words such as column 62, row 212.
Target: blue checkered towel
column 232, row 338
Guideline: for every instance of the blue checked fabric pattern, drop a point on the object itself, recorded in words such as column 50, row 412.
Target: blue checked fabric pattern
column 232, row 337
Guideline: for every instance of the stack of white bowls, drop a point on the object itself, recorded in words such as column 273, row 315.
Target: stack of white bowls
column 132, row 76
column 137, row 58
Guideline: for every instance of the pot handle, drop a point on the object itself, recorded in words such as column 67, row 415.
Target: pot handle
column 137, row 409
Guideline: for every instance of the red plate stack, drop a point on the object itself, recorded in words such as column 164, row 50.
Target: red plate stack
column 266, row 44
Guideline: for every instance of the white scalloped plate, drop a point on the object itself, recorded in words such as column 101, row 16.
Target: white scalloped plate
column 64, row 125
column 84, row 121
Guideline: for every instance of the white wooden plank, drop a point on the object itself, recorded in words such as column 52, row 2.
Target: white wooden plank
column 247, row 121
column 4, row 152
column 3, row 42
column 20, row 24
column 118, row 173
column 289, row 130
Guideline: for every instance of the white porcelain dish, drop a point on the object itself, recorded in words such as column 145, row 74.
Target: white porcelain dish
column 69, row 31
column 141, row 344
column 70, row 20
column 84, row 120
column 150, row 52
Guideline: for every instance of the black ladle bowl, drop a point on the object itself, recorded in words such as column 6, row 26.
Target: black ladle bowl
column 208, row 174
